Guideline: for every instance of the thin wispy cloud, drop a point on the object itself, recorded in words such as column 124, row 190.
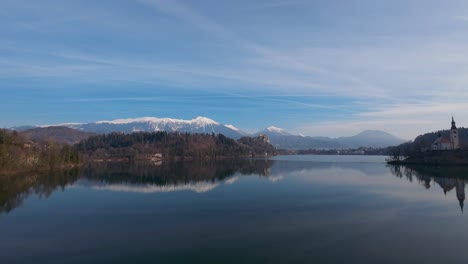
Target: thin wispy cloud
column 313, row 68
column 47, row 24
column 308, row 105
column 197, row 20
column 273, row 4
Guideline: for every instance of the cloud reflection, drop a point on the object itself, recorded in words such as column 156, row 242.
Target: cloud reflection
column 198, row 187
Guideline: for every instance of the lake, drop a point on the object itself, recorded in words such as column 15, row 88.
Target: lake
column 287, row 209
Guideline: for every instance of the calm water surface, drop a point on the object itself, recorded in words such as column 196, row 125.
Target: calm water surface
column 291, row 209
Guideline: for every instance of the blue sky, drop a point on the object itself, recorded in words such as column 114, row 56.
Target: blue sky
column 330, row 67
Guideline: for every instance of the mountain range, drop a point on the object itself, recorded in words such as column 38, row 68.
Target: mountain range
column 279, row 137
column 367, row 138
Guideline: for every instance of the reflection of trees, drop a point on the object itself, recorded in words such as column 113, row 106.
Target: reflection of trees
column 174, row 172
column 396, row 170
column 14, row 189
column 447, row 178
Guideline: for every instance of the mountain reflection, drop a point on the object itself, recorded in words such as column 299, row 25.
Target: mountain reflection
column 448, row 178
column 194, row 176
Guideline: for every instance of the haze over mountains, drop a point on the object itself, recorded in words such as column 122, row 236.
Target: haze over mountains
column 368, row 138
column 278, row 137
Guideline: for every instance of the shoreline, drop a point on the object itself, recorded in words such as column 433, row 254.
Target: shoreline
column 11, row 172
column 444, row 158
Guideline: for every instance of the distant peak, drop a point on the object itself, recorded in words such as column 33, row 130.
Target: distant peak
column 277, row 130
column 232, row 127
column 273, row 128
column 204, row 120
column 377, row 134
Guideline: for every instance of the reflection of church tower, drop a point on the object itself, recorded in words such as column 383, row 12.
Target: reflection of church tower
column 461, row 192
column 454, row 136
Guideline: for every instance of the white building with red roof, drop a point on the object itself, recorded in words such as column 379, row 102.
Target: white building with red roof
column 445, row 143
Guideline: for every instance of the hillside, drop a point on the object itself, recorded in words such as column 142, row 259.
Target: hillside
column 145, row 145
column 371, row 139
column 20, row 154
column 59, row 134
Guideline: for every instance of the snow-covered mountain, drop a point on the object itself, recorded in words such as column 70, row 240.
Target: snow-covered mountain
column 149, row 124
column 272, row 130
column 279, row 137
column 237, row 130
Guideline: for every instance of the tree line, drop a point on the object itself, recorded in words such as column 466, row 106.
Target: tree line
column 143, row 145
column 19, row 154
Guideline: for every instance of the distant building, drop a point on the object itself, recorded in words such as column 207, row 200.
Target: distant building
column 156, row 157
column 442, row 143
column 445, row 143
column 264, row 138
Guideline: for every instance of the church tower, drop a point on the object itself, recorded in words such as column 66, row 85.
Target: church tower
column 454, row 136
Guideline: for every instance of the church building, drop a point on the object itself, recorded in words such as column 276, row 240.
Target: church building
column 447, row 143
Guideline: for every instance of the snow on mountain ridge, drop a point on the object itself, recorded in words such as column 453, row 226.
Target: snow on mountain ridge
column 198, row 124
column 199, row 121
column 276, row 130
column 61, row 124
column 232, row 127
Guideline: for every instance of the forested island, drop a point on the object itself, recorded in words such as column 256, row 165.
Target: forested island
column 403, row 155
column 445, row 147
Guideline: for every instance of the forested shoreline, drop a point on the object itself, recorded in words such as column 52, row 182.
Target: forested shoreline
column 172, row 146
column 20, row 154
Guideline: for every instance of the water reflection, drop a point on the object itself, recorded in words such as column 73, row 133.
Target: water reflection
column 447, row 178
column 201, row 177
column 321, row 211
column 140, row 177
column 14, row 189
